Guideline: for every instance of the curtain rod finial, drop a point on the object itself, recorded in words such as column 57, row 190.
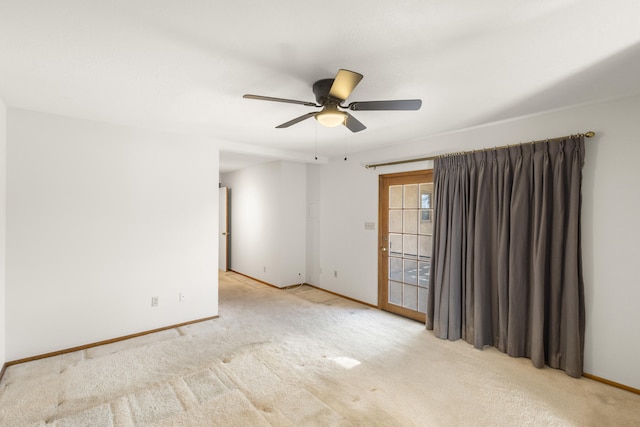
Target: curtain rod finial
column 590, row 134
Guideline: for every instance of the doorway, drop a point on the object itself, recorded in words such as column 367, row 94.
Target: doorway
column 223, row 228
column 405, row 240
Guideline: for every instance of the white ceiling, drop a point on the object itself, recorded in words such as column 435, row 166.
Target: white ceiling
column 184, row 66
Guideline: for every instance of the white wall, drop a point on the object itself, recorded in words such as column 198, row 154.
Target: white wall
column 313, row 224
column 100, row 218
column 3, row 228
column 268, row 205
column 347, row 196
column 292, row 225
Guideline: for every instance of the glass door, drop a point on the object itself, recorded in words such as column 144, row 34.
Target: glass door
column 405, row 237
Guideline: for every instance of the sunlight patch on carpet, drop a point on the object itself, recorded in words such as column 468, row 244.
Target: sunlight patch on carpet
column 345, row 362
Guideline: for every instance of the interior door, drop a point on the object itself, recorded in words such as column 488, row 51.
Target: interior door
column 223, row 229
column 405, row 239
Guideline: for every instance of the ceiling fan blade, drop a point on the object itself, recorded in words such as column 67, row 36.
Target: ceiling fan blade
column 353, row 124
column 296, row 120
column 344, row 83
column 288, row 101
column 406, row 104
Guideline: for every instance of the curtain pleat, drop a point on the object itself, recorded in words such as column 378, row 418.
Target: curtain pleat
column 506, row 267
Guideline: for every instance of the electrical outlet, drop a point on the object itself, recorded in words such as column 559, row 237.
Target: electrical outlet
column 154, row 301
column 181, row 297
column 335, row 273
column 264, row 269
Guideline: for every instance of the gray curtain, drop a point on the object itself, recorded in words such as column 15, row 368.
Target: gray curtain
column 506, row 269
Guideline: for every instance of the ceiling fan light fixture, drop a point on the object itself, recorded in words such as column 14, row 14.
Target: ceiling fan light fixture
column 331, row 94
column 331, row 118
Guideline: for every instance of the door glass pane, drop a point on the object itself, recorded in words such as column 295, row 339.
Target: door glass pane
column 395, row 221
column 395, row 244
column 410, row 297
column 410, row 221
column 411, row 196
column 422, row 300
column 410, row 272
column 395, row 197
column 410, row 245
column 395, row 293
column 426, row 221
column 395, row 269
column 423, row 274
column 426, row 194
column 424, row 251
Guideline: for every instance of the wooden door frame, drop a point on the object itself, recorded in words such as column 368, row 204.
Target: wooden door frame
column 383, row 255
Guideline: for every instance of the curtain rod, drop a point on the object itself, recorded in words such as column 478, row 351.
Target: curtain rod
column 588, row 134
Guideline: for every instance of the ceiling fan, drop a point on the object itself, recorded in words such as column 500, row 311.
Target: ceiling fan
column 330, row 95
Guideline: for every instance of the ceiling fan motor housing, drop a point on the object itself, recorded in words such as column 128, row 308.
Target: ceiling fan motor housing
column 321, row 90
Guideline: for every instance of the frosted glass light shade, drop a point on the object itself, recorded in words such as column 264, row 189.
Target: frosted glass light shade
column 331, row 119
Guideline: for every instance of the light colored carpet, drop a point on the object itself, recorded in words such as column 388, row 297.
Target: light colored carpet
column 301, row 357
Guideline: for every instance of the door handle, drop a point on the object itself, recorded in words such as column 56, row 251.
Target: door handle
column 224, row 234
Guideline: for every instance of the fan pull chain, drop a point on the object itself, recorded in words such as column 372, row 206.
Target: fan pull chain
column 345, row 144
column 316, row 140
